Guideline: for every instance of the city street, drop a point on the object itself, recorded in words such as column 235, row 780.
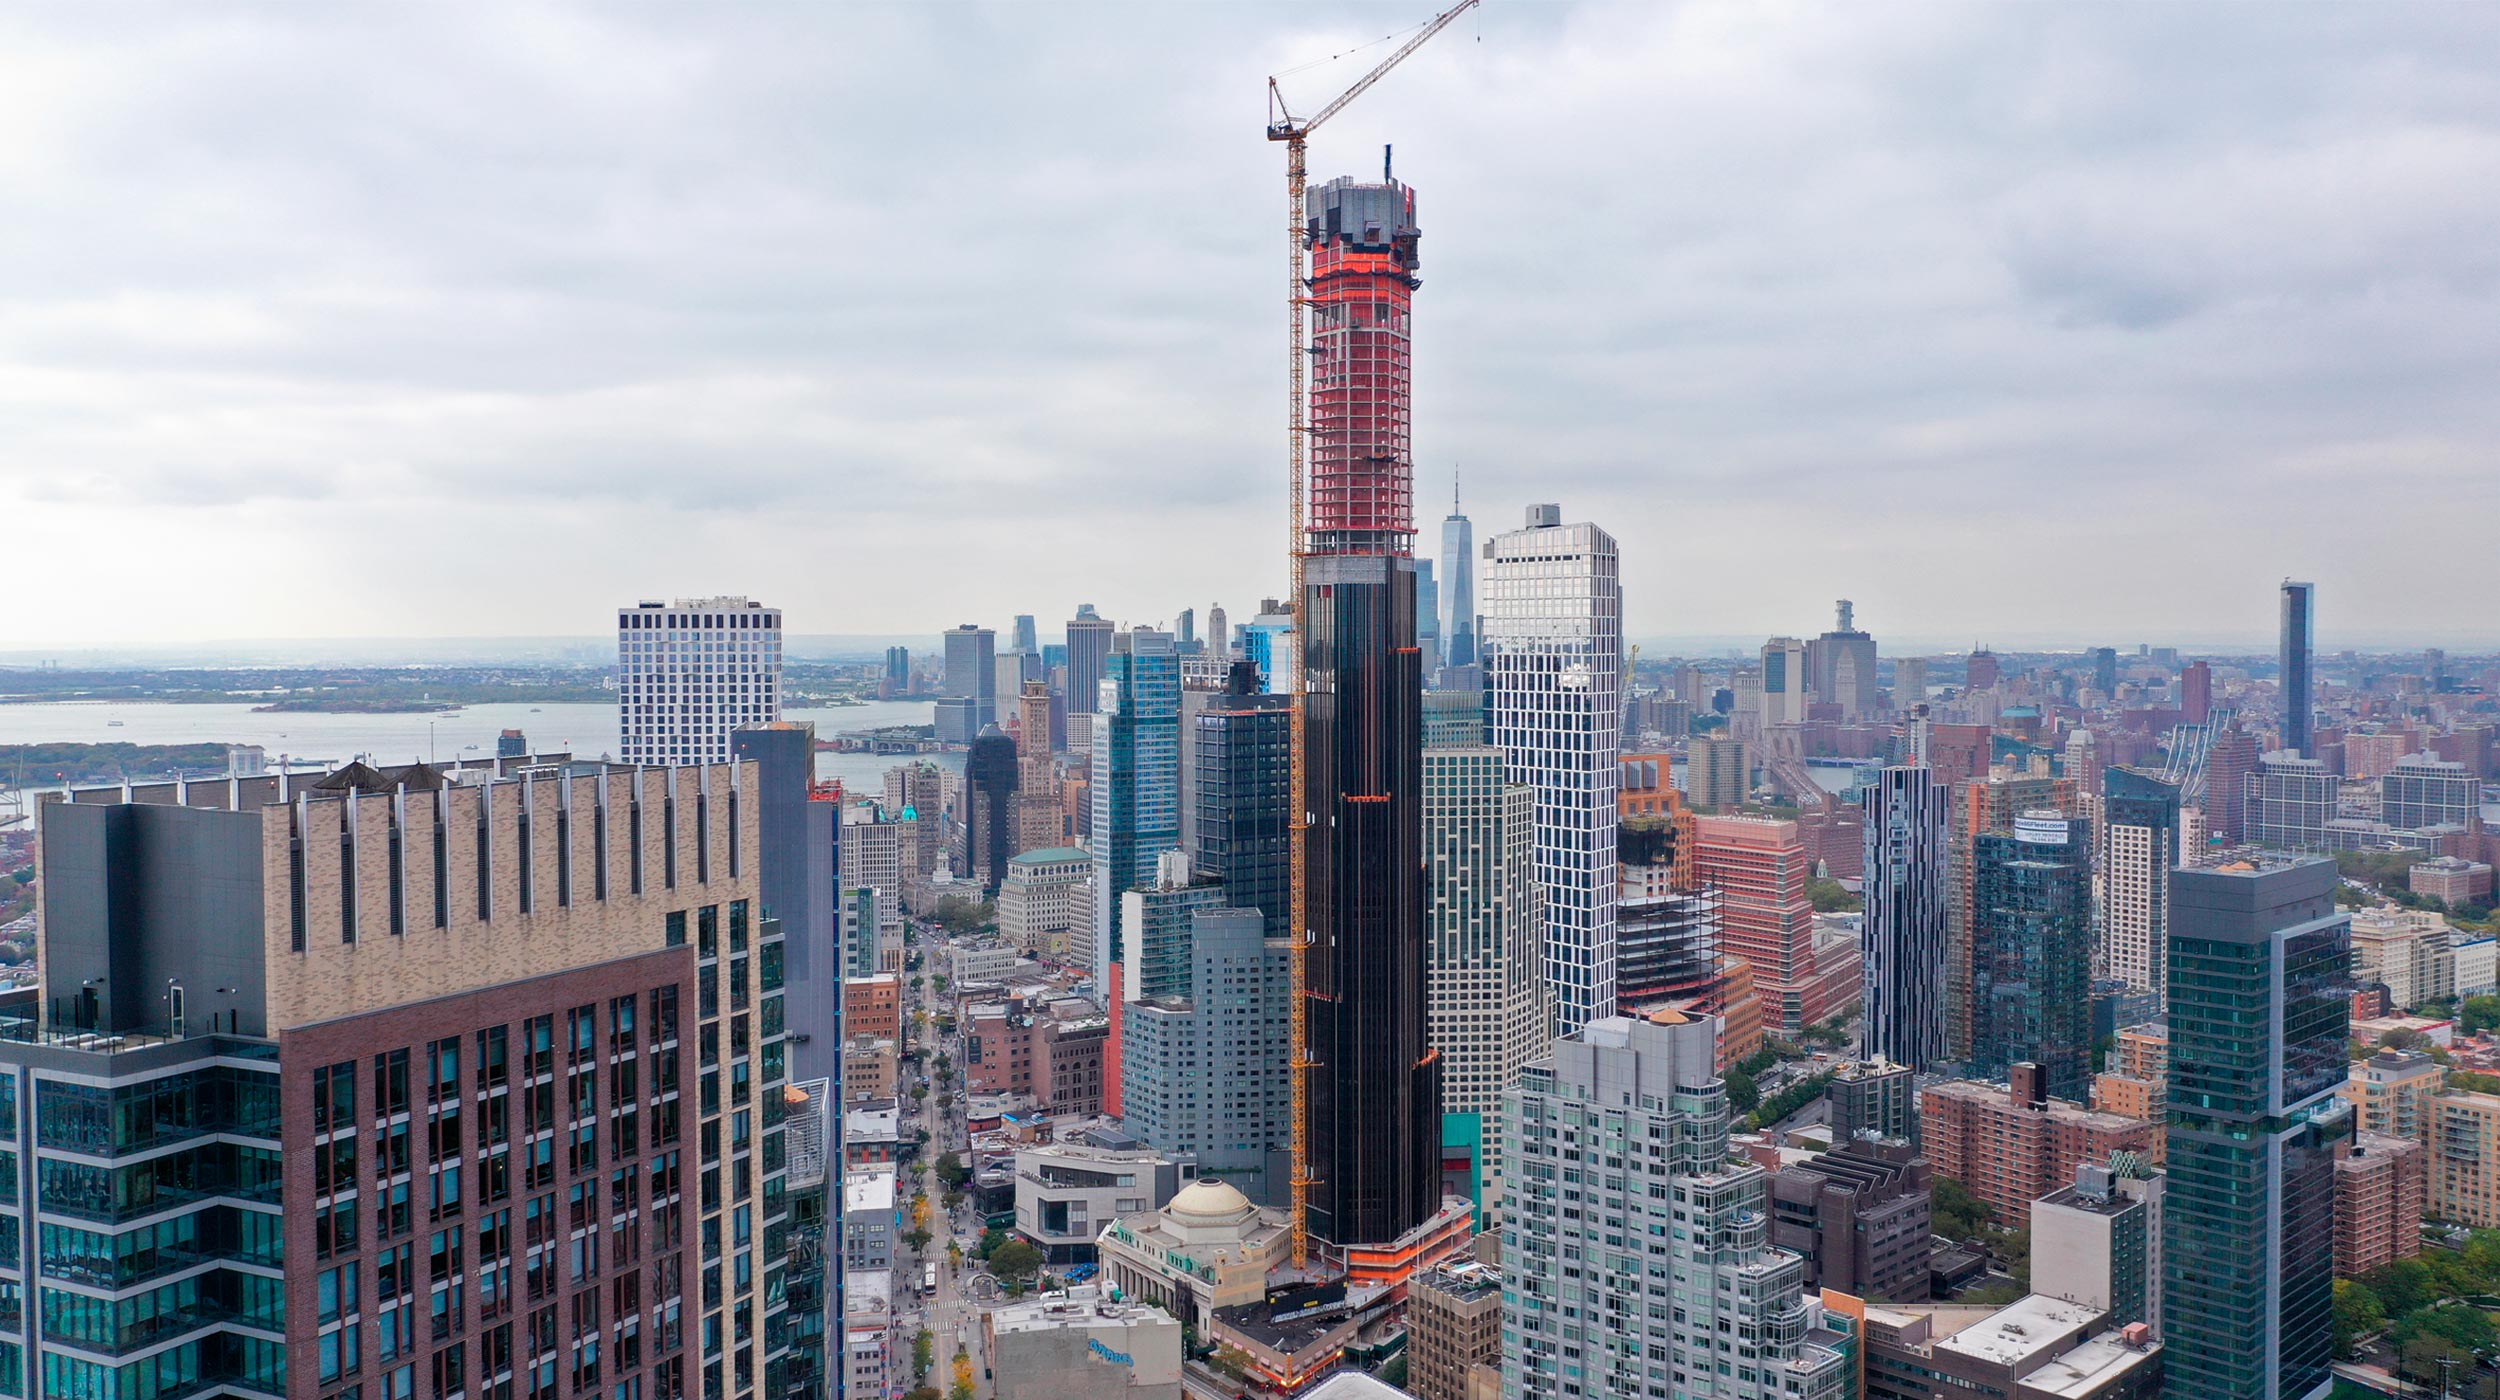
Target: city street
column 952, row 1317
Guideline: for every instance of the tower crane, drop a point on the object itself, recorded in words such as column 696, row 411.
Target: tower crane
column 1283, row 125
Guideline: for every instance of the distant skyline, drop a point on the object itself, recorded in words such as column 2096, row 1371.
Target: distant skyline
column 594, row 650
column 2084, row 324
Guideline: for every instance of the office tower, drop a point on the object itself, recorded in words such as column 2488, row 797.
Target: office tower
column 272, row 1004
column 953, row 717
column 1267, row 642
column 512, row 743
column 1219, row 632
column 689, row 672
column 1372, row 1126
column 1744, row 714
column 1155, row 928
column 1552, row 643
column 1784, row 684
column 2098, row 1242
column 1039, row 816
column 2289, row 803
column 1871, row 1097
column 2104, row 669
column 799, row 833
column 1036, row 903
column 1582, row 1307
column 1203, row 1062
column 1089, row 643
column 1841, row 664
column 1428, row 617
column 1022, row 637
column 1490, row 1007
column 1244, row 743
column 2258, row 1017
column 1013, row 668
column 1986, row 804
column 2139, row 847
column 1454, row 717
column 2298, row 685
column 2230, row 760
column 2196, row 692
column 915, row 800
column 972, row 673
column 1758, row 868
column 1458, row 585
column 1454, row 1331
column 2420, row 791
column 1136, row 777
column 2032, row 951
column 1909, row 683
column 1904, row 934
column 1718, row 773
column 1980, row 671
column 991, row 782
column 1185, row 631
column 898, row 668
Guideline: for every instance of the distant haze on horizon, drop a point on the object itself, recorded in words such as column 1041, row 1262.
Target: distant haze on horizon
column 2083, row 323
column 354, row 652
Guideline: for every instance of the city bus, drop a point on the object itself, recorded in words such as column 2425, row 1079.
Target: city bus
column 928, row 1281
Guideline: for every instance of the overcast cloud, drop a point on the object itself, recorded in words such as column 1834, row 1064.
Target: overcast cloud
column 2009, row 321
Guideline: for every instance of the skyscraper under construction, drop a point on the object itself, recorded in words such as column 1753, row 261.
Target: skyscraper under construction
column 1374, row 1088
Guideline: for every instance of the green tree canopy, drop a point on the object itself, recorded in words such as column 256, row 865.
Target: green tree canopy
column 2357, row 1314
column 1742, row 1093
column 1958, row 1215
column 1015, row 1260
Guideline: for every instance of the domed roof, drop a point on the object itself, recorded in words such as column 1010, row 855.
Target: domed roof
column 1208, row 1199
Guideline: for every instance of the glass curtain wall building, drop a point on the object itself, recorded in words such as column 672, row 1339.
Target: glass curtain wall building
column 1136, row 777
column 2259, row 1008
column 2032, row 951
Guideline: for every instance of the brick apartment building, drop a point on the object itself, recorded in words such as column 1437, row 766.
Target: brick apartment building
column 2012, row 1144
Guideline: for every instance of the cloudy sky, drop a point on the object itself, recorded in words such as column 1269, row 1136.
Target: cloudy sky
column 2017, row 322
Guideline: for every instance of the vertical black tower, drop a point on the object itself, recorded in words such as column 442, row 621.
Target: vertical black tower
column 1375, row 1091
column 1242, row 745
column 2300, row 624
column 990, row 771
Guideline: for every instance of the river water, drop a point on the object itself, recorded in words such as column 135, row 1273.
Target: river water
column 471, row 731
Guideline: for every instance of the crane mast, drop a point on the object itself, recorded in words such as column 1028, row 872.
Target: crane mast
column 1283, row 126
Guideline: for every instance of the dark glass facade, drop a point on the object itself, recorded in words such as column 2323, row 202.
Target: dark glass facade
column 1374, row 1096
column 1244, row 761
column 2258, row 1004
column 105, row 1246
column 2031, row 951
column 990, row 771
column 2298, row 682
column 1666, row 942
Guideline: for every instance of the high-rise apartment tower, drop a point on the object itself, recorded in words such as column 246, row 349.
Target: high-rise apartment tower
column 2300, row 635
column 1904, row 936
column 691, row 671
column 1553, row 658
column 1372, row 1092
column 2259, row 1009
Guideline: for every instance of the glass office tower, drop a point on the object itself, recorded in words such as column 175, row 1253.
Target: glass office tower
column 2259, row 1008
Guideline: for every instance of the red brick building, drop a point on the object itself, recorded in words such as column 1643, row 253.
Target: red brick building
column 872, row 1007
column 2011, row 1145
column 2382, row 1189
